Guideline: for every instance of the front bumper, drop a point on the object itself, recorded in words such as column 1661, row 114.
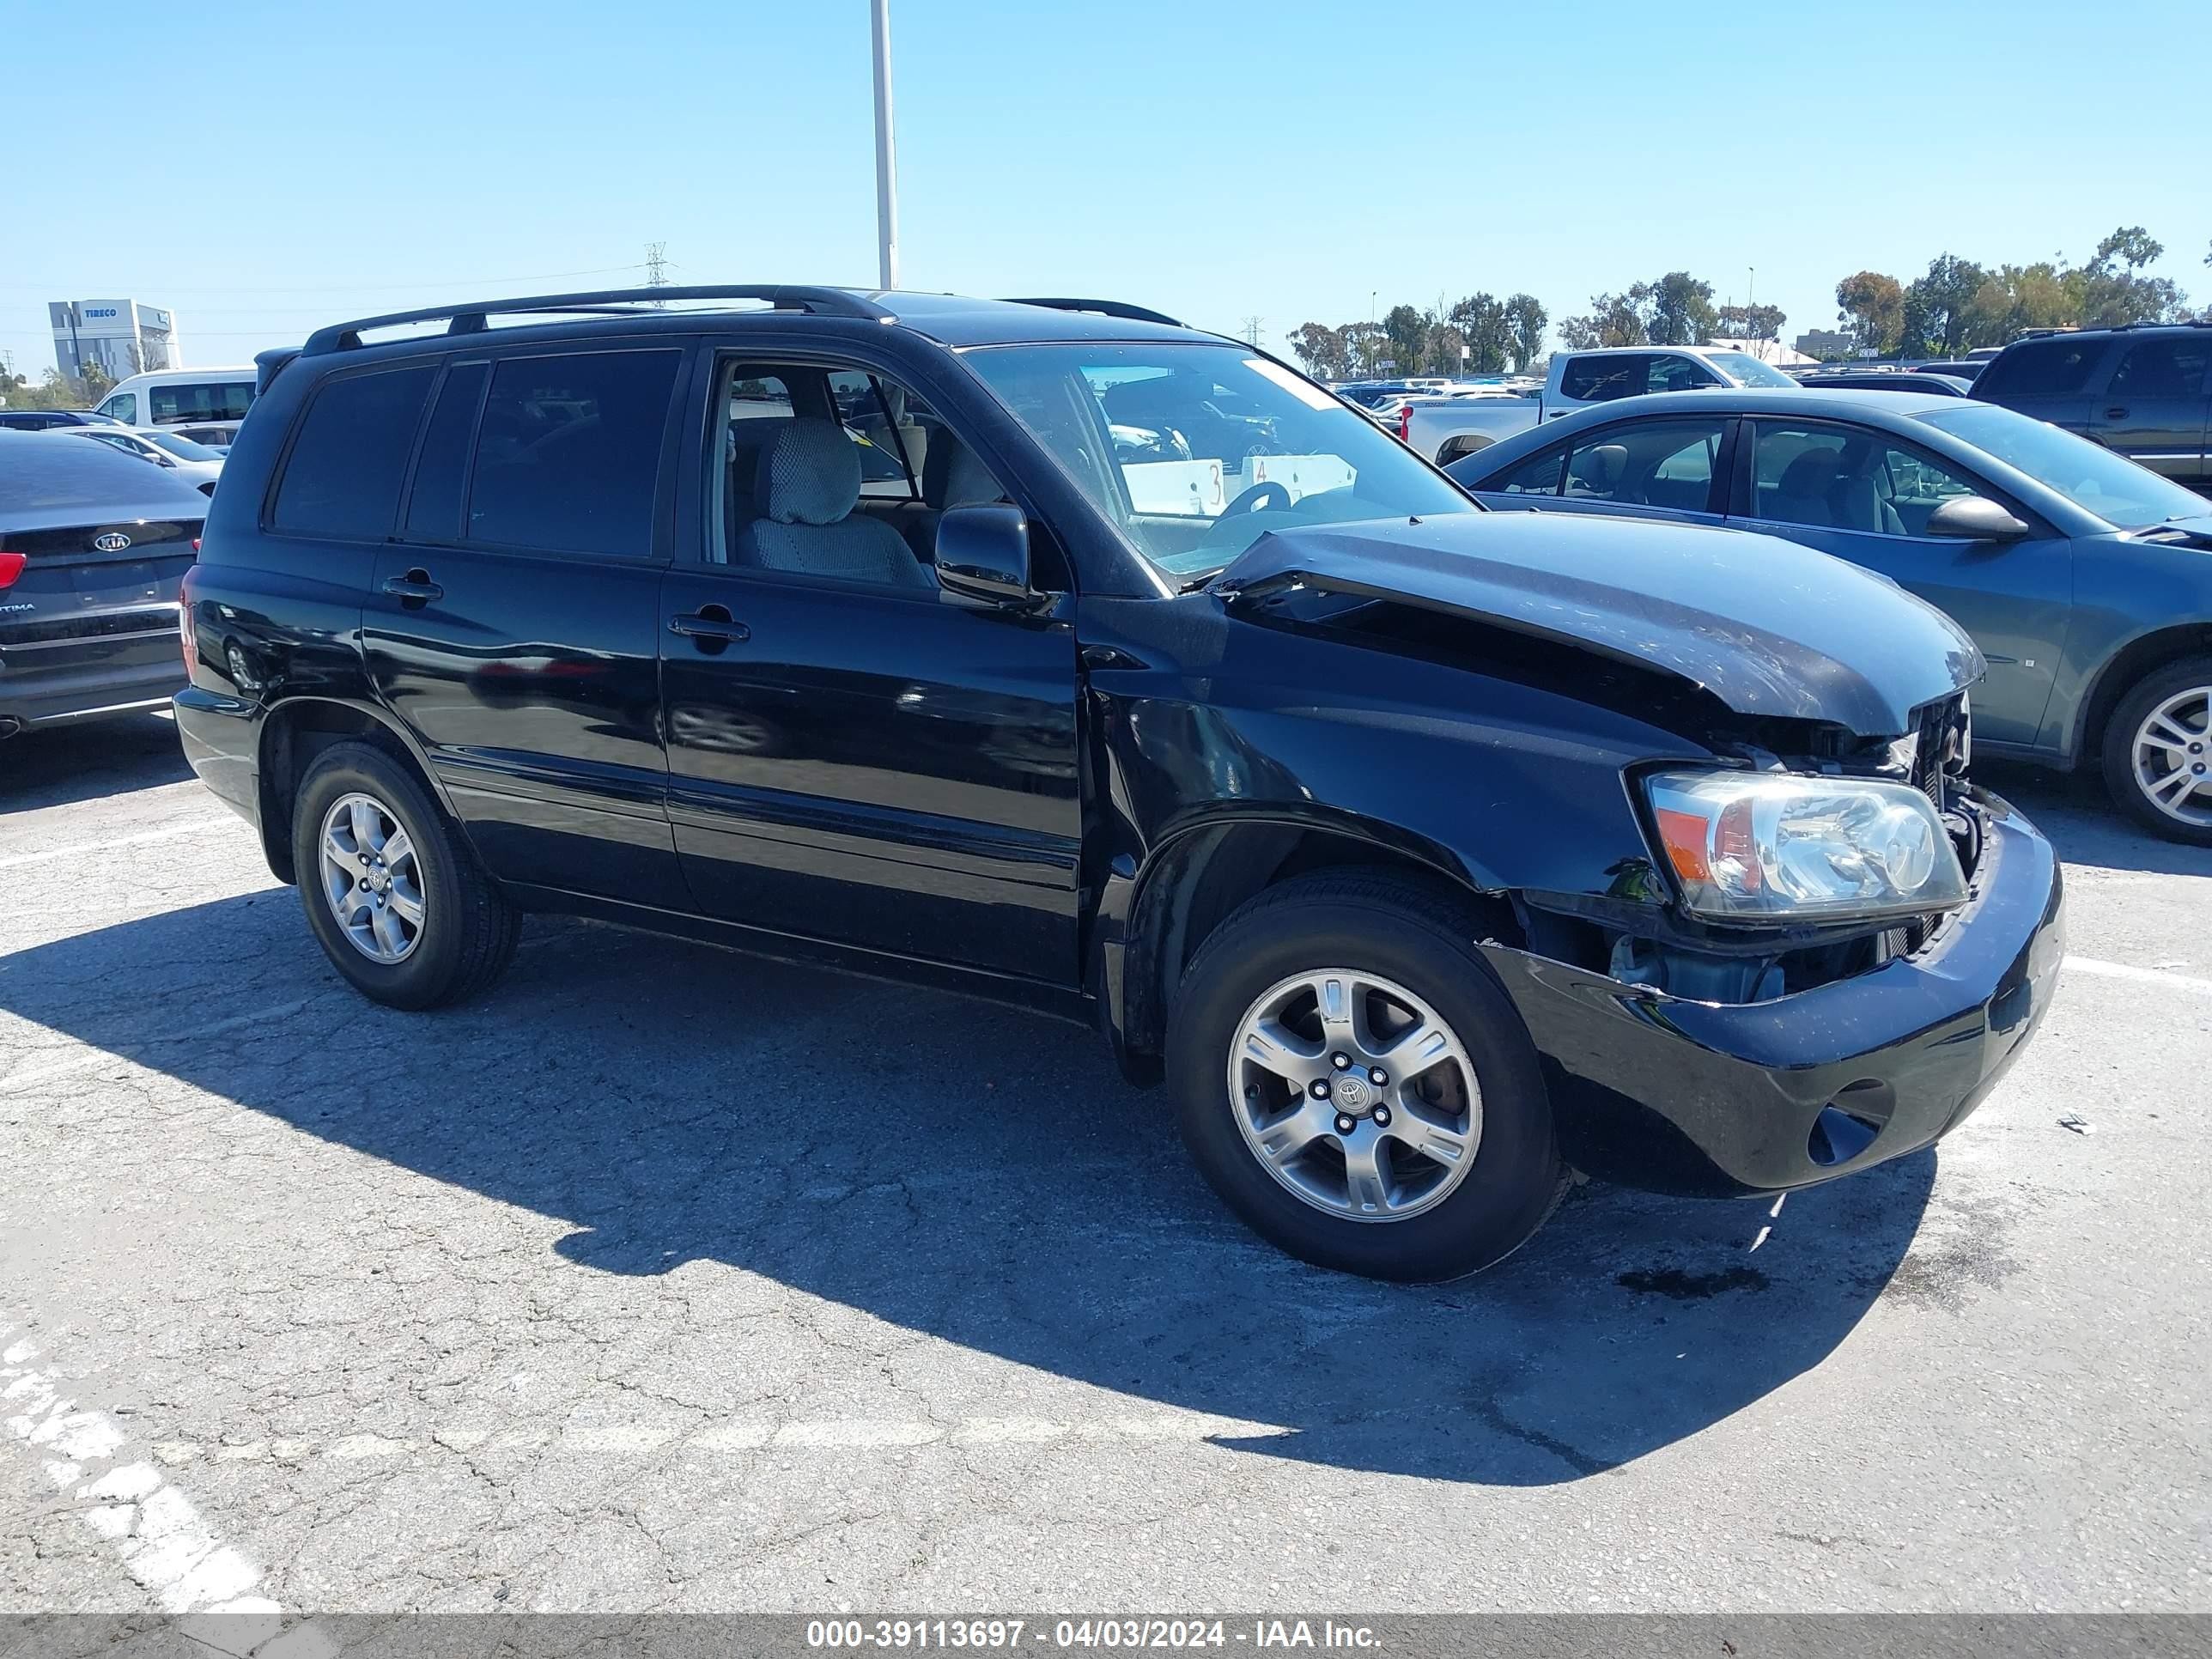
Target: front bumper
column 1663, row 1092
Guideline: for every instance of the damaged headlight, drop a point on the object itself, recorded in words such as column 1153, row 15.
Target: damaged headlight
column 1774, row 846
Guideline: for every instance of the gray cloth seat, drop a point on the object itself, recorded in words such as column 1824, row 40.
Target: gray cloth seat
column 1800, row 494
column 1855, row 504
column 950, row 476
column 1598, row 470
column 805, row 488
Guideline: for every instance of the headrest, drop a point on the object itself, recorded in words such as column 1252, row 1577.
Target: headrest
column 809, row 473
column 952, row 477
column 1809, row 474
column 1601, row 468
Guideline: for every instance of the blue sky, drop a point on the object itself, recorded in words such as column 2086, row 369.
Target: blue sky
column 261, row 168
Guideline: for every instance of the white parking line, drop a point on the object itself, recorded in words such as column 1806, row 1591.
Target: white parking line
column 2202, row 987
column 163, row 1540
column 87, row 848
column 740, row 1434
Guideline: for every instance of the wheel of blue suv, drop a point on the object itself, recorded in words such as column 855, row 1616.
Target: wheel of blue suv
column 398, row 903
column 1353, row 1083
column 2158, row 752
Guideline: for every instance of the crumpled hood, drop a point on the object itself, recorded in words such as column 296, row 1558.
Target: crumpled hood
column 1768, row 627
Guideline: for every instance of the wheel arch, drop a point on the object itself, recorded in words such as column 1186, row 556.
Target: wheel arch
column 2146, row 653
column 292, row 732
column 1195, row 878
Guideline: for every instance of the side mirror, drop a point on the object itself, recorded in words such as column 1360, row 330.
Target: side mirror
column 983, row 555
column 1976, row 519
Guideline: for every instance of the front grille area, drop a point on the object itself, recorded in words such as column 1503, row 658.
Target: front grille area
column 1939, row 736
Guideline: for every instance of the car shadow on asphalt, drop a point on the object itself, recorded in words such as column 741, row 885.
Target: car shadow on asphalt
column 984, row 1177
column 2075, row 811
column 61, row 765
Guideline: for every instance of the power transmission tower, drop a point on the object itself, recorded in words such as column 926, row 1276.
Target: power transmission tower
column 656, row 255
column 1252, row 327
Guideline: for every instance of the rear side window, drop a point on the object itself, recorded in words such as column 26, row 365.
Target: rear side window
column 1601, row 380
column 433, row 511
column 568, row 451
column 2041, row 368
column 227, row 401
column 2171, row 365
column 342, row 477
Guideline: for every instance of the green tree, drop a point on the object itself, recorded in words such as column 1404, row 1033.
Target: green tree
column 1322, row 351
column 1364, row 347
column 1526, row 318
column 1871, row 307
column 1938, row 307
column 1677, row 309
column 1751, row 322
column 2110, row 289
column 1406, row 332
column 1488, row 330
column 1445, row 343
column 1612, row 321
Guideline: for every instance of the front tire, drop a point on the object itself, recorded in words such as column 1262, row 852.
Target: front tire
column 2158, row 752
column 1353, row 1082
column 397, row 902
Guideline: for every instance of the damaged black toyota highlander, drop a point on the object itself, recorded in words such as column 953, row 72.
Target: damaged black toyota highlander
column 1052, row 652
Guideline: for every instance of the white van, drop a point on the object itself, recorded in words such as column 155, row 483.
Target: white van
column 214, row 398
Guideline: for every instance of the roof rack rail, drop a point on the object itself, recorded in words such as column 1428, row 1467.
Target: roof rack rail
column 1126, row 312
column 613, row 301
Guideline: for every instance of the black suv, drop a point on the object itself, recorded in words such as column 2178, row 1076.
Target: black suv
column 1053, row 652
column 2144, row 390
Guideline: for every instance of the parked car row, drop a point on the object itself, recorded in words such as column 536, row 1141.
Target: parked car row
column 2082, row 576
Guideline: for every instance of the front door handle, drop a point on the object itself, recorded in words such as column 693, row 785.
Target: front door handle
column 709, row 622
column 416, row 585
column 2115, row 414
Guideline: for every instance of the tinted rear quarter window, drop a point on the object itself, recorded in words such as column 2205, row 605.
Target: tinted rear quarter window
column 342, row 477
column 568, row 451
column 2171, row 366
column 1601, row 380
column 2041, row 368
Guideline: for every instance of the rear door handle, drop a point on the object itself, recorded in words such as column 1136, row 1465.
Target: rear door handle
column 2115, row 414
column 416, row 585
column 709, row 622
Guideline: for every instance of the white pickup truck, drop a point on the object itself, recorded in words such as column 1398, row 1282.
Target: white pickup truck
column 1445, row 428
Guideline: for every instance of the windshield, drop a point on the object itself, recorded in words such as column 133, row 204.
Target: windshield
column 1747, row 369
column 2088, row 475
column 1193, row 452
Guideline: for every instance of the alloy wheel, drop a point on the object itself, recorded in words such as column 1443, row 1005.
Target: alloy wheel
column 1355, row 1094
column 2171, row 754
column 372, row 879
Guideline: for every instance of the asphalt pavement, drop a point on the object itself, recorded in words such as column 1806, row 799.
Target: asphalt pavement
column 665, row 1280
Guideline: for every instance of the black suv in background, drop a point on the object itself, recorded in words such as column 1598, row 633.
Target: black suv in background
column 2144, row 390
column 1056, row 653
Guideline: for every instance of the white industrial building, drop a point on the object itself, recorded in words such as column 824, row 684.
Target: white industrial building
column 123, row 337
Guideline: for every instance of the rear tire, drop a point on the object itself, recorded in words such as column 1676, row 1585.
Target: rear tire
column 424, row 929
column 1281, row 1157
column 2158, row 752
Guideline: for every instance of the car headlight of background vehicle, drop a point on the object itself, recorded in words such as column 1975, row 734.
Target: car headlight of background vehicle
column 1775, row 847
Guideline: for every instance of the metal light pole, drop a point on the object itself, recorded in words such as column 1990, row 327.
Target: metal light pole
column 886, row 165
